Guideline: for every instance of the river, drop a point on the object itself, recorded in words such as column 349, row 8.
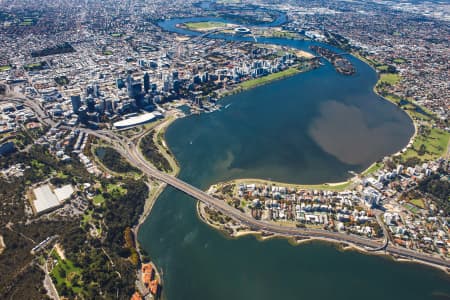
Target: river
column 310, row 128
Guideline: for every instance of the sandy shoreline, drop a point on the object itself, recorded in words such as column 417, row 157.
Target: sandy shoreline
column 258, row 235
column 339, row 245
column 411, row 140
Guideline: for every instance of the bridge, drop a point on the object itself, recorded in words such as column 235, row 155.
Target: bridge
column 130, row 151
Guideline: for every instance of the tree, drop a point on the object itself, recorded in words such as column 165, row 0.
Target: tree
column 422, row 150
column 62, row 272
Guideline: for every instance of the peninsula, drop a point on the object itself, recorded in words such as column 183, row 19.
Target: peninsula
column 120, row 120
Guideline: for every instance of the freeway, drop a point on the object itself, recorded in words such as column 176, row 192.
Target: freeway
column 34, row 106
column 130, row 151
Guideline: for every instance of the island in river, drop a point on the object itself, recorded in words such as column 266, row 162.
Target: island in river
column 340, row 63
column 283, row 131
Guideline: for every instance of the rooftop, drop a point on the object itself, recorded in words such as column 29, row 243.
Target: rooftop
column 45, row 199
column 133, row 121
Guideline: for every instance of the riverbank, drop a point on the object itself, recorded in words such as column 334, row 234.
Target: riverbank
column 155, row 190
column 158, row 144
column 188, row 250
column 206, row 26
column 227, row 226
column 419, row 116
column 339, row 186
column 335, row 186
column 233, row 230
column 256, row 82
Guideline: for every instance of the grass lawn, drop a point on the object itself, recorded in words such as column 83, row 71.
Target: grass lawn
column 64, row 271
column 114, row 188
column 411, row 208
column 368, row 61
column 326, row 186
column 399, row 60
column 373, row 168
column 248, row 84
column 204, row 25
column 5, row 68
column 36, row 164
column 383, row 67
column 418, row 202
column 62, row 175
column 87, row 217
column 417, row 111
column 389, row 78
column 435, row 145
column 414, row 110
column 32, row 66
column 285, row 34
column 98, row 199
column 244, row 203
column 107, row 52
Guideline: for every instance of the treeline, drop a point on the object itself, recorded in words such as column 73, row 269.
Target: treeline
column 98, row 274
column 439, row 188
column 107, row 261
column 113, row 160
column 42, row 165
column 124, row 211
column 121, row 212
column 21, row 278
column 152, row 153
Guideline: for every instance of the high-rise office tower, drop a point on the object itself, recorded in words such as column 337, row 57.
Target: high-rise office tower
column 76, row 103
column 146, row 82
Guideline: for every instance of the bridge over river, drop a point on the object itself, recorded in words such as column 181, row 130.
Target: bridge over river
column 130, row 151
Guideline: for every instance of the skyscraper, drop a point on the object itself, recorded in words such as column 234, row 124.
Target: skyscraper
column 175, row 75
column 146, row 82
column 76, row 103
column 90, row 102
column 129, row 84
column 96, row 92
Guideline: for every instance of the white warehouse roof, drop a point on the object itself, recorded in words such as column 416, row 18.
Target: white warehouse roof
column 63, row 193
column 45, row 199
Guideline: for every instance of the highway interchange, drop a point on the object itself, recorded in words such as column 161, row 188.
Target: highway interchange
column 129, row 150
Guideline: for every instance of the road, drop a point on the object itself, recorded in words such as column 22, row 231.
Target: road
column 48, row 283
column 34, row 106
column 129, row 150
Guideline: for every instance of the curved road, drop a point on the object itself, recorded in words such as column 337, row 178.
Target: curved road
column 129, row 150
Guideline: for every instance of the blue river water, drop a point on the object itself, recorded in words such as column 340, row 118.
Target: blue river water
column 310, row 128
